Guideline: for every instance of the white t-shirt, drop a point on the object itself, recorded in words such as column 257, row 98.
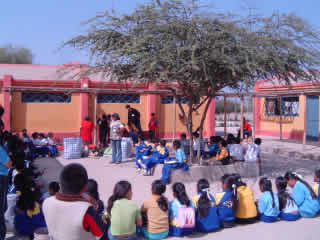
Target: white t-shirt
column 115, row 127
column 43, row 142
column 50, row 141
column 237, row 151
column 253, row 153
column 291, row 207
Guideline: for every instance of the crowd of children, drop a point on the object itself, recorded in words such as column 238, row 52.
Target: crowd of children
column 158, row 217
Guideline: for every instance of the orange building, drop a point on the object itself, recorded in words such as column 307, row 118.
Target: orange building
column 290, row 111
column 47, row 98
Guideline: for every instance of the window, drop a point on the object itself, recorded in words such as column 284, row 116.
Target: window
column 28, row 97
column 169, row 100
column 289, row 106
column 118, row 98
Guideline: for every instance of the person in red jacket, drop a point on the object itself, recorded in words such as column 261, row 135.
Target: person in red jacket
column 86, row 131
column 247, row 130
column 153, row 126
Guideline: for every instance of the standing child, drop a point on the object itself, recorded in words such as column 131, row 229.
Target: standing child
column 156, row 207
column 227, row 201
column 126, row 145
column 247, row 210
column 185, row 144
column 303, row 195
column 268, row 204
column 52, row 145
column 207, row 219
column 174, row 163
column 181, row 212
column 153, row 126
column 237, row 150
column 288, row 208
column 316, row 187
column 124, row 214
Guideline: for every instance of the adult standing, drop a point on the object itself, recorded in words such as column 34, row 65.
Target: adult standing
column 115, row 137
column 134, row 118
column 153, row 126
column 103, row 128
column 86, row 131
column 5, row 164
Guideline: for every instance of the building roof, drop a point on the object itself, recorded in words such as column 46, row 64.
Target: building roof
column 70, row 71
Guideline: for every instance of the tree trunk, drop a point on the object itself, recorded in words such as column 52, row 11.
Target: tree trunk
column 203, row 118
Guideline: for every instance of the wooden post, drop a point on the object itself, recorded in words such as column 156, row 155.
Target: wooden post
column 305, row 122
column 280, row 117
column 174, row 118
column 95, row 120
column 254, row 119
column 241, row 116
column 225, row 115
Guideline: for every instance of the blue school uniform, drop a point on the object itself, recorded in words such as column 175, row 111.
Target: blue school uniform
column 26, row 222
column 157, row 157
column 142, row 150
column 213, row 149
column 225, row 208
column 267, row 211
column 167, row 168
column 210, row 223
column 174, row 230
column 308, row 207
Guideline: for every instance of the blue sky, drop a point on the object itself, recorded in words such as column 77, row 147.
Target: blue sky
column 42, row 25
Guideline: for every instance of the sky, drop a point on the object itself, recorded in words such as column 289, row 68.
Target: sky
column 43, row 25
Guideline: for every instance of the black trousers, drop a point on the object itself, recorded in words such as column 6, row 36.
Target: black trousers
column 3, row 205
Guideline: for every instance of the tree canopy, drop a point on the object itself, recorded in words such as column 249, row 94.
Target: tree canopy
column 198, row 51
column 15, row 55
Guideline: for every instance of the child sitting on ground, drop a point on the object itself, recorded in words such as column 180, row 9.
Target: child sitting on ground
column 60, row 210
column 181, row 212
column 213, row 148
column 237, row 150
column 142, row 149
column 53, row 151
column 268, row 204
column 227, row 201
column 207, row 219
column 92, row 191
column 316, row 187
column 174, row 163
column 303, row 195
column 288, row 208
column 156, row 207
column 253, row 152
column 246, row 210
column 28, row 212
column 223, row 154
column 157, row 157
column 124, row 213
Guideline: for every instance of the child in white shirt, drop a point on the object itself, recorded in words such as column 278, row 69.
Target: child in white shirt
column 253, row 152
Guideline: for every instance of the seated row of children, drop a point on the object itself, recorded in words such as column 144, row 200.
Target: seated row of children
column 149, row 154
column 158, row 218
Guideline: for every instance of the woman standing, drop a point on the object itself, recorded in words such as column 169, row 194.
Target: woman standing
column 115, row 137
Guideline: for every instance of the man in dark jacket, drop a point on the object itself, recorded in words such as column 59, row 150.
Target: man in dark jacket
column 134, row 118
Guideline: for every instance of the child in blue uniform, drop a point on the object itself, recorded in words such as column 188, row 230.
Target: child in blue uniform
column 227, row 201
column 157, row 157
column 213, row 148
column 288, row 208
column 303, row 195
column 143, row 149
column 207, row 219
column 174, row 163
column 316, row 187
column 181, row 212
column 268, row 204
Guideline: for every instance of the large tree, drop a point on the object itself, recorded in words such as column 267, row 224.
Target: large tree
column 197, row 51
column 15, row 55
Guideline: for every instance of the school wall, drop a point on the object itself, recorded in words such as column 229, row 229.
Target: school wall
column 46, row 117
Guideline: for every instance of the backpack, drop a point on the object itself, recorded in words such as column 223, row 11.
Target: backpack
column 186, row 216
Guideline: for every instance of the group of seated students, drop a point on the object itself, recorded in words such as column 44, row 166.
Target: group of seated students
column 158, row 218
